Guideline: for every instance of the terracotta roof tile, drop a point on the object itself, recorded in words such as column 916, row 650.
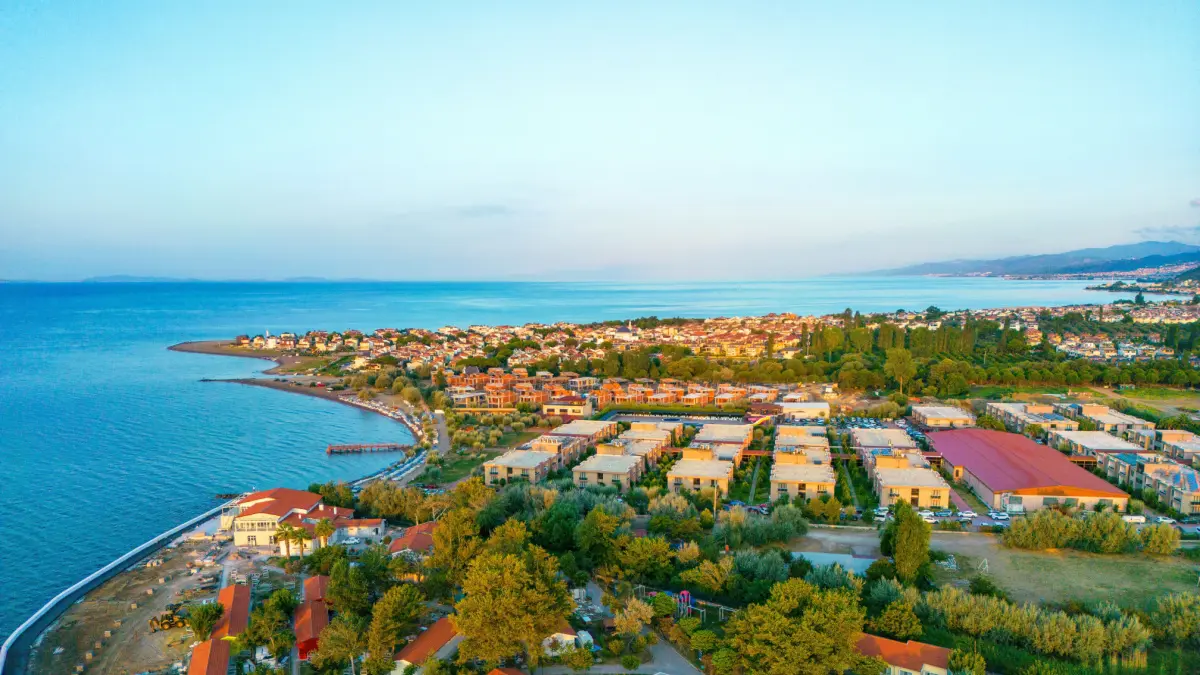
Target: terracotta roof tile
column 909, row 655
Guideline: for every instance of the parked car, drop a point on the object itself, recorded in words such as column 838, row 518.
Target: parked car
column 925, row 513
column 1163, row 520
column 968, row 514
column 944, row 514
column 966, row 520
column 1134, row 518
column 929, row 519
column 1000, row 515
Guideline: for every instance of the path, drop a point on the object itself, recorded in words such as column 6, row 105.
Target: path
column 850, row 484
column 754, row 481
column 664, row 659
column 443, row 434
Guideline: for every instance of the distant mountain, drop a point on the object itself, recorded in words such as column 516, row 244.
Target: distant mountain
column 1127, row 264
column 128, row 279
column 1116, row 258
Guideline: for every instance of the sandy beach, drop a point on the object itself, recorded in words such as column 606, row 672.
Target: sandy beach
column 227, row 348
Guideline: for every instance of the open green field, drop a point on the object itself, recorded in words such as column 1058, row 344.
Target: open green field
column 514, row 438
column 996, row 392
column 1159, row 394
column 456, row 467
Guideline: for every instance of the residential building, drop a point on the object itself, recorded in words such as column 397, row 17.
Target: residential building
column 1174, row 484
column 649, row 451
column 1018, row 416
column 415, row 541
column 1010, row 472
column 311, row 617
column 906, row 658
column 875, row 439
column 1105, row 418
column 616, row 470
column 942, row 416
column 573, row 407
column 801, row 480
column 212, row 656
column 592, row 431
column 566, row 448
column 920, row 486
column 1089, row 443
column 697, row 474
column 440, row 641
column 527, row 465
column 255, row 518
column 804, row 410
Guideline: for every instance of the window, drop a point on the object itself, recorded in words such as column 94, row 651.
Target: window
column 252, row 540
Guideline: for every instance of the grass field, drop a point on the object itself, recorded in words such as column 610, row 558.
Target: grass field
column 1034, row 576
column 995, row 392
column 1159, row 394
column 515, row 438
column 456, row 466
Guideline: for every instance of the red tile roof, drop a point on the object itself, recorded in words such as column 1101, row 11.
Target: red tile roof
column 908, row 655
column 427, row 643
column 1012, row 463
column 315, row 587
column 415, row 538
column 506, row 671
column 278, row 502
column 311, row 618
column 210, row 657
column 236, row 601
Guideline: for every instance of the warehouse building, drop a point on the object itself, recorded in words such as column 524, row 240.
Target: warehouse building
column 1011, row 473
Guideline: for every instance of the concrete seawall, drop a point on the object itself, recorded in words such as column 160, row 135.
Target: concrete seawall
column 14, row 653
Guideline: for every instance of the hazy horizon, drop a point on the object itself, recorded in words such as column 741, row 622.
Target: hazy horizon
column 669, row 142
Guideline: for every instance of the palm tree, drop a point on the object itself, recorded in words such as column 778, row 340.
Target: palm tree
column 300, row 536
column 285, row 534
column 323, row 531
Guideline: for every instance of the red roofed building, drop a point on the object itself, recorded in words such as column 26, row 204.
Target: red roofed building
column 416, row 539
column 255, row 518
column 210, row 657
column 440, row 640
column 1009, row 472
column 311, row 616
column 506, row 671
column 906, row 658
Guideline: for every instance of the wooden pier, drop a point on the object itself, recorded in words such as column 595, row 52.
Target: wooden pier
column 366, row 447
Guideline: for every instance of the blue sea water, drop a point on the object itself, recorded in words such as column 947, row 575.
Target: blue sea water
column 107, row 438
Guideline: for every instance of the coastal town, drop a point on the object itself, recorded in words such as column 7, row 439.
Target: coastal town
column 653, row 489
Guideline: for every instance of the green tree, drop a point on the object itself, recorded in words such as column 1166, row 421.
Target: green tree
column 323, row 530
column 342, row 642
column 202, row 619
column 910, row 545
column 704, row 641
column 393, row 616
column 348, row 590
column 990, row 422
column 631, row 662
column 898, row 621
column 525, row 590
column 595, row 537
column 967, row 663
column 799, row 630
column 456, row 542
column 285, row 535
column 1176, row 618
column 579, row 660
column 900, row 366
column 664, row 605
column 1161, row 539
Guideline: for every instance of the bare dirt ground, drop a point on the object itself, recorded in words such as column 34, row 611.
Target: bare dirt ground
column 129, row 646
column 1032, row 576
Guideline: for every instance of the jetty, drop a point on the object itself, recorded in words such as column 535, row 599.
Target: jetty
column 366, row 447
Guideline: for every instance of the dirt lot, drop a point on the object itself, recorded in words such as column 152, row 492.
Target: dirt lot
column 1050, row 576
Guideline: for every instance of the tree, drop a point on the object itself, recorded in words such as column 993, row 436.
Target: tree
column 579, row 660
column 285, row 534
column 990, row 422
column 710, row 576
column 511, row 537
column 967, row 663
column 664, row 605
column 348, row 590
column 595, row 538
column 342, row 641
column 455, row 544
column 910, row 542
column 799, row 630
column 630, row 621
column 1177, row 618
column 900, row 366
column 525, row 591
column 202, row 619
column 323, row 531
column 631, row 662
column 898, row 621
column 704, row 641
column 394, row 615
column 1161, row 539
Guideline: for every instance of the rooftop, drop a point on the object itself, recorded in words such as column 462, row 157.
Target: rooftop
column 522, row 459
column 609, row 463
column 882, row 438
column 701, row 468
column 911, row 477
column 796, row 430
column 583, row 428
column 803, row 473
column 909, row 655
column 724, row 433
column 942, row 412
column 429, row 642
column 1097, row 440
column 1012, row 462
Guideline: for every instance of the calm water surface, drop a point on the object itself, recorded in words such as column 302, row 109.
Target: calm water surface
column 107, row 439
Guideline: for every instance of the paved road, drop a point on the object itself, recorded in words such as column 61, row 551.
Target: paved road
column 443, row 445
column 664, row 659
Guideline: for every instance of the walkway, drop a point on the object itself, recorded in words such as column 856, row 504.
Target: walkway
column 754, row 482
column 443, row 434
column 850, row 484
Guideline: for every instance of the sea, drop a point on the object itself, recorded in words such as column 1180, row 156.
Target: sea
column 108, row 439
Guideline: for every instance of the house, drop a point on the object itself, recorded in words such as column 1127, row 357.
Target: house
column 255, row 518
column 561, row 640
column 906, row 658
column 311, row 616
column 416, row 540
column 439, row 641
column 571, row 406
column 591, row 431
column 920, row 486
column 212, row 656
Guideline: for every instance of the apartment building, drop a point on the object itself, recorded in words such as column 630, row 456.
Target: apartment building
column 1018, row 416
column 1090, row 443
column 592, row 431
column 942, row 416
column 698, row 474
column 801, row 480
column 617, row 470
column 528, row 465
column 1105, row 418
column 1176, row 485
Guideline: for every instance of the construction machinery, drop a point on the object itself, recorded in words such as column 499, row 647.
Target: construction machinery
column 172, row 618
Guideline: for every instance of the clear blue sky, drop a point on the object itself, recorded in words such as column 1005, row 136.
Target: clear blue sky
column 452, row 140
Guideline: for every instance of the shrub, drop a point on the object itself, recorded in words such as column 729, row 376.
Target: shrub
column 630, row 662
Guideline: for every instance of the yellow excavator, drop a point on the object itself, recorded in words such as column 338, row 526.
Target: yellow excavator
column 172, row 618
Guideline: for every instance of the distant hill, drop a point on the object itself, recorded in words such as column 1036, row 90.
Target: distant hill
column 1111, row 258
column 128, row 279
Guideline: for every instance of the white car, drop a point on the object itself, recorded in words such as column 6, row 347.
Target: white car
column 929, row 519
column 1137, row 519
column 925, row 513
column 1001, row 516
column 1163, row 520
column 967, row 514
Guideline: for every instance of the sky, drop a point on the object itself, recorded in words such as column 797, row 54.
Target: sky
column 587, row 140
